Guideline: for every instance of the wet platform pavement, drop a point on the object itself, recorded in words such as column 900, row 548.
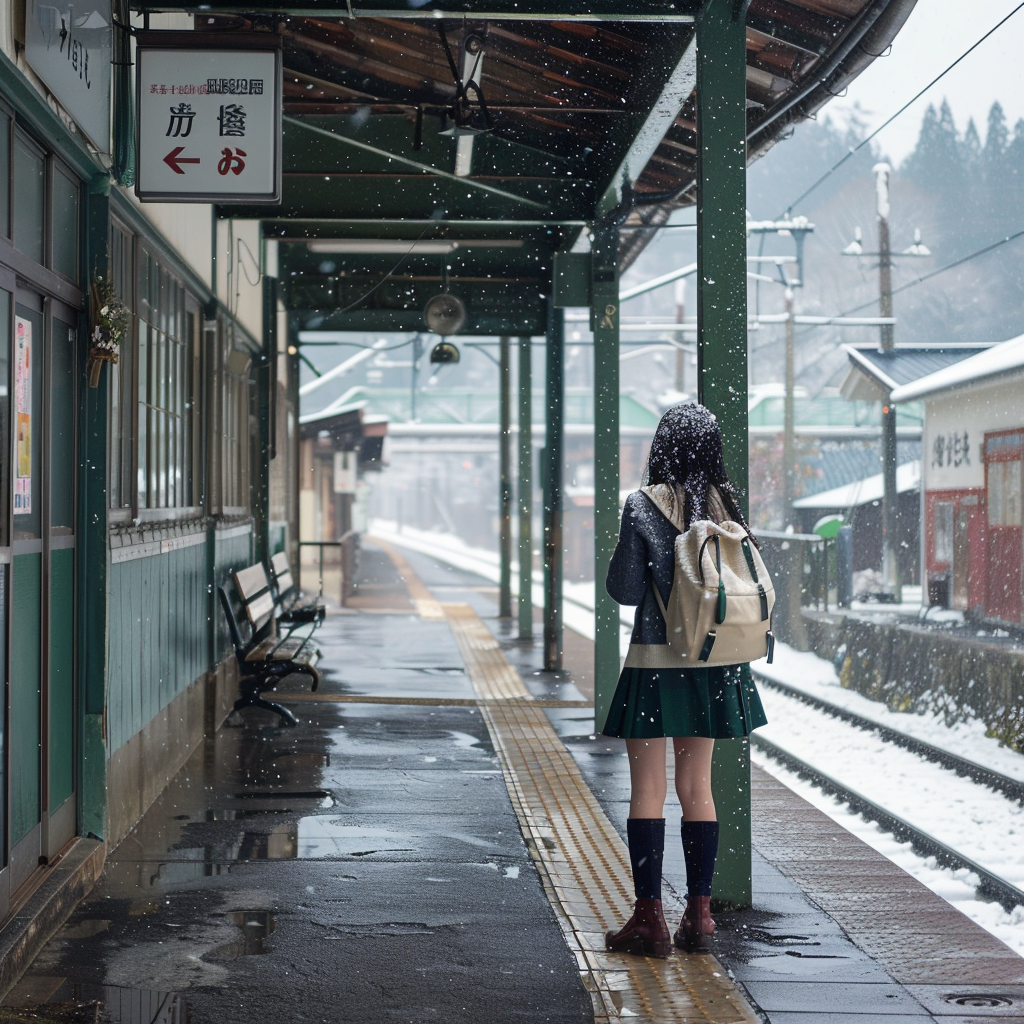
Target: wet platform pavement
column 423, row 848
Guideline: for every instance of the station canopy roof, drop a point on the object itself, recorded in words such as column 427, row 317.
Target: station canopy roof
column 456, row 145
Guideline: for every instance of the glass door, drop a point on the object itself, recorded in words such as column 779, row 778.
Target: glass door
column 26, row 680
column 41, row 690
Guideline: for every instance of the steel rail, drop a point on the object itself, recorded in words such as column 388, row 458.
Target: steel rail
column 990, row 886
column 1005, row 784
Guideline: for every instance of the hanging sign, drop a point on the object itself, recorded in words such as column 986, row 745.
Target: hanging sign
column 209, row 109
column 68, row 44
column 22, row 416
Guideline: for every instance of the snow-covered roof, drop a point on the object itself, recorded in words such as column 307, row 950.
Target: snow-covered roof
column 1008, row 355
column 861, row 492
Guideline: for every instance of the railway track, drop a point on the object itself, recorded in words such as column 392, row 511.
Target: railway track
column 1005, row 784
column 990, row 886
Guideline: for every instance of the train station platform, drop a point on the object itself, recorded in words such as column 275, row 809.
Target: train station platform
column 441, row 839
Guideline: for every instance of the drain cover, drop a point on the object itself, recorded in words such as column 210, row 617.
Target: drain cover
column 978, row 999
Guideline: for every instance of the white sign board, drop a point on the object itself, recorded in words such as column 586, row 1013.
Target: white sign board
column 209, row 125
column 68, row 44
column 345, row 472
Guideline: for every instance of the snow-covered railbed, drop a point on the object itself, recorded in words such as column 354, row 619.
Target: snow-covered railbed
column 981, row 825
column 1008, row 785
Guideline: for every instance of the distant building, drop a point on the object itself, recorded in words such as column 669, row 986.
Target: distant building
column 973, row 446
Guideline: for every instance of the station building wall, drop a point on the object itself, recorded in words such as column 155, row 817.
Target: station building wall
column 973, row 444
column 114, row 656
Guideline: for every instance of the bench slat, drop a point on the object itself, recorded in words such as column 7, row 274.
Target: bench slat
column 260, row 610
column 251, row 581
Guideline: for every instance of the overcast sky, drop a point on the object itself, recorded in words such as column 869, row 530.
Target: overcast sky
column 936, row 33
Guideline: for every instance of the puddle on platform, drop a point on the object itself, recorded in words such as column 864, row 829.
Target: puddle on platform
column 280, row 794
column 783, row 939
column 256, row 926
column 86, row 929
column 51, row 1000
column 464, row 741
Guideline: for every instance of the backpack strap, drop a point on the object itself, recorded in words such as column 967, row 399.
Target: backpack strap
column 720, row 608
column 752, row 568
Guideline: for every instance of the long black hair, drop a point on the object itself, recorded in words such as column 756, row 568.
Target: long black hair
column 686, row 454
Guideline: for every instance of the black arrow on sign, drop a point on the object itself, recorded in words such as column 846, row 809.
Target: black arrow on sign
column 173, row 159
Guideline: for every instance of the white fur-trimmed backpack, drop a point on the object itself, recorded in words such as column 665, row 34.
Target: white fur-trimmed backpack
column 719, row 611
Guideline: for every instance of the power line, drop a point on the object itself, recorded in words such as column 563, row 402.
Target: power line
column 940, row 270
column 885, row 124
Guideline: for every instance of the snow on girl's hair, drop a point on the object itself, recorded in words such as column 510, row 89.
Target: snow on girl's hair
column 686, row 453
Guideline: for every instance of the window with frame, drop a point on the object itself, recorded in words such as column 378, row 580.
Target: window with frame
column 155, row 463
column 943, row 520
column 235, row 427
column 1003, row 454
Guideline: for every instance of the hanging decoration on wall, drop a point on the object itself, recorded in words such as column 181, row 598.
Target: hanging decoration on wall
column 111, row 320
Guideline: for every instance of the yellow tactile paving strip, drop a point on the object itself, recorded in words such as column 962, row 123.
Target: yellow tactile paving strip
column 423, row 600
column 434, row 702
column 582, row 861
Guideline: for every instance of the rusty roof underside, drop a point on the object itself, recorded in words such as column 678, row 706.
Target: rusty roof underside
column 506, row 129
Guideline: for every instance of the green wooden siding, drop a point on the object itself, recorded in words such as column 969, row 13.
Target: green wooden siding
column 26, row 671
column 160, row 611
column 231, row 553
column 61, row 665
column 157, row 636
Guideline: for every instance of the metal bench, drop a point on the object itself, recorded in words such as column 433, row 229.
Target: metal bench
column 295, row 606
column 264, row 655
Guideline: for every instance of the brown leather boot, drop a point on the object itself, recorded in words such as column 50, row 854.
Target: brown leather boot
column 696, row 925
column 645, row 933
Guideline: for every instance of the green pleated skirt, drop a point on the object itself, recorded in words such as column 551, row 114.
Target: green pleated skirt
column 719, row 702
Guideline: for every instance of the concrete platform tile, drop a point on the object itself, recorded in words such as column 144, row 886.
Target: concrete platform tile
column 876, row 1000
column 821, row 969
column 845, row 1018
column 989, row 1002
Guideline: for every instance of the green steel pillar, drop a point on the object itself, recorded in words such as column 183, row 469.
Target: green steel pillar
column 93, row 477
column 266, row 383
column 604, row 321
column 722, row 345
column 553, row 474
column 525, row 491
column 504, row 481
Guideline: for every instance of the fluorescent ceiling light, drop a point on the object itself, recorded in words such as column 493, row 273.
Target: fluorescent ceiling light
column 398, row 246
column 384, row 246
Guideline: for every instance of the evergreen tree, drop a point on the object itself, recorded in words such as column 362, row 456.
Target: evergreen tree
column 997, row 138
column 993, row 180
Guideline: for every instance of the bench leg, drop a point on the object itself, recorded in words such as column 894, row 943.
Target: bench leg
column 314, row 675
column 254, row 700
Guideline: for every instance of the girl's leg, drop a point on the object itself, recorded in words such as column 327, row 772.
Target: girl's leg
column 700, row 837
column 646, row 932
column 647, row 781
column 693, row 777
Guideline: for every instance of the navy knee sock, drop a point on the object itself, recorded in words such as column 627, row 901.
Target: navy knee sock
column 646, row 838
column 700, row 849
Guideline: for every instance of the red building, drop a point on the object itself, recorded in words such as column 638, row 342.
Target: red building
column 973, row 446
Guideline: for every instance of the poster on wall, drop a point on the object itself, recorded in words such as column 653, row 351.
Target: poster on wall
column 22, row 416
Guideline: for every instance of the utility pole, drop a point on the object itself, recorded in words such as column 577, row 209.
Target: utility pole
column 789, row 418
column 417, row 355
column 887, row 344
column 890, row 552
column 797, row 228
column 680, row 353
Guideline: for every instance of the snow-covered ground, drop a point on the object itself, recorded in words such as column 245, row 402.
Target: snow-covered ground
column 981, row 824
